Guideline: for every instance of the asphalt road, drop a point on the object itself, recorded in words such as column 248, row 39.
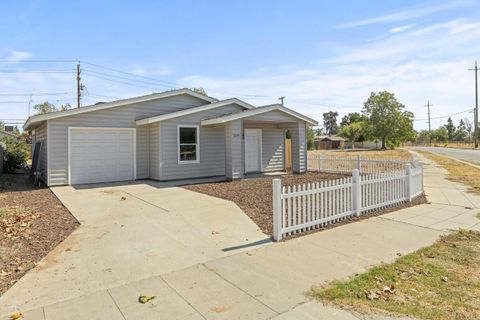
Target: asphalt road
column 461, row 154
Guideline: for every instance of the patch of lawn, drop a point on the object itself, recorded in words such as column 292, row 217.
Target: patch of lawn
column 438, row 282
column 9, row 211
column 458, row 171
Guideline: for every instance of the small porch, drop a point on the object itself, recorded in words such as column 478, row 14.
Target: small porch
column 255, row 141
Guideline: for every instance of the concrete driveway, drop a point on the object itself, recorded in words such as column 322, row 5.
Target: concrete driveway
column 131, row 232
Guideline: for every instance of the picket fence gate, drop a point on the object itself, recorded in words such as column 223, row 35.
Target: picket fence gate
column 314, row 205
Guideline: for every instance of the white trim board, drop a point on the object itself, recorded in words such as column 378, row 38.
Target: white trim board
column 59, row 114
column 134, row 130
column 189, row 111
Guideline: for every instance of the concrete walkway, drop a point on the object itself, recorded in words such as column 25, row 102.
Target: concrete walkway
column 270, row 282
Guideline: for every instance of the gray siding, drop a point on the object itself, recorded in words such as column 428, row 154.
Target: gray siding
column 143, row 147
column 234, row 149
column 273, row 116
column 154, row 136
column 120, row 117
column 41, row 135
column 273, row 144
column 212, row 147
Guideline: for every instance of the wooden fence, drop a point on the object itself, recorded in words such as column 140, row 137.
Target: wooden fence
column 346, row 165
column 314, row 205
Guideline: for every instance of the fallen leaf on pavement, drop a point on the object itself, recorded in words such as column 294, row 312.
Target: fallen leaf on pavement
column 144, row 298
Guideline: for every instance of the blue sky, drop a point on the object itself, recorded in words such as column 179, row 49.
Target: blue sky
column 321, row 55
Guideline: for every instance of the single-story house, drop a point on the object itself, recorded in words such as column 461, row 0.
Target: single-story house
column 178, row 134
column 329, row 142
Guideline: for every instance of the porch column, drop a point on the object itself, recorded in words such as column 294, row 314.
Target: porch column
column 234, row 150
column 298, row 132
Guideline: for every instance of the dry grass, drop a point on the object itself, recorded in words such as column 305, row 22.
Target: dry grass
column 440, row 282
column 458, row 171
column 397, row 154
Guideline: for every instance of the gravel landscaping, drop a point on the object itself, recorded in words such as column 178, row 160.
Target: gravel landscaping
column 254, row 197
column 32, row 222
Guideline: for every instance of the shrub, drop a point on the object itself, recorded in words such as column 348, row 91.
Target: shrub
column 16, row 154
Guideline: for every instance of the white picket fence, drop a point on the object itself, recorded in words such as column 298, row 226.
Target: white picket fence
column 310, row 206
column 346, row 165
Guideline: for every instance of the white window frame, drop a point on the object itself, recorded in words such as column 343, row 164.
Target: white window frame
column 197, row 144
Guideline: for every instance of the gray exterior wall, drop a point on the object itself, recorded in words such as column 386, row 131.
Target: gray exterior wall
column 211, row 143
column 154, row 143
column 41, row 135
column 234, row 149
column 120, row 117
column 273, row 145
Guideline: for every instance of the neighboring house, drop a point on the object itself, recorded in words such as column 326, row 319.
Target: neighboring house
column 329, row 142
column 177, row 134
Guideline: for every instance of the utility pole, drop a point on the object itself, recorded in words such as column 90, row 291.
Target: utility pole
column 429, row 124
column 79, row 85
column 281, row 99
column 475, row 112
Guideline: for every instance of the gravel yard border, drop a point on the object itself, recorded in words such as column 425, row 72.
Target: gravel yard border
column 32, row 222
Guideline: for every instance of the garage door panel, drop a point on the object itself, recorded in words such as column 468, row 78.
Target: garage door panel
column 99, row 155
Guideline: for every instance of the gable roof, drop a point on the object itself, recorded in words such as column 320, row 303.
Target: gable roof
column 329, row 138
column 59, row 114
column 195, row 110
column 256, row 111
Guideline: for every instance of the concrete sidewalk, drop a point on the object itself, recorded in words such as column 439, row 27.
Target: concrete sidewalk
column 270, row 282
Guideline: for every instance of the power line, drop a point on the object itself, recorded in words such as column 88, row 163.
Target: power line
column 36, row 61
column 38, row 71
column 131, row 74
column 120, row 81
column 441, row 117
column 34, row 94
column 124, row 78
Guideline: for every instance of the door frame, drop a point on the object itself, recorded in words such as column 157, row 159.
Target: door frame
column 69, row 157
column 260, row 149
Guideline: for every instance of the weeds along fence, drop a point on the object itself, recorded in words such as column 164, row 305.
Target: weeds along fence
column 301, row 208
column 346, row 165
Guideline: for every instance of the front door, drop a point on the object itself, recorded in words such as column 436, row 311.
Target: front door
column 253, row 150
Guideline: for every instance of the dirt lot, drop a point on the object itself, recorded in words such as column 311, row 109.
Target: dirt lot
column 396, row 154
column 254, row 196
column 32, row 222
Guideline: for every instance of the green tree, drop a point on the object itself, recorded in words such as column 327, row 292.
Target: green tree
column 310, row 138
column 450, row 129
column 15, row 156
column 461, row 131
column 45, row 107
column 66, row 106
column 2, row 125
column 353, row 131
column 387, row 119
column 330, row 122
column 200, row 91
column 440, row 135
column 352, row 117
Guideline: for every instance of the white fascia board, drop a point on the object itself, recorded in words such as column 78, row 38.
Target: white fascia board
column 186, row 112
column 107, row 105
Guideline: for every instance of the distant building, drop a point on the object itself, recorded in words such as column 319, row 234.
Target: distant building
column 329, row 142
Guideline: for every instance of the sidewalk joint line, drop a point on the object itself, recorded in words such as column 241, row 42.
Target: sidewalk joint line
column 115, row 302
column 182, row 297
column 234, row 285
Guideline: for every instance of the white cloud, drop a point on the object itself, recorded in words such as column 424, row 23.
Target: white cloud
column 408, row 13
column 18, row 56
column 401, row 28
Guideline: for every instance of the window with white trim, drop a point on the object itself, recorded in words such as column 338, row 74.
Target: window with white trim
column 188, row 150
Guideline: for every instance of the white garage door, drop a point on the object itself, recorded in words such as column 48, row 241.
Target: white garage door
column 101, row 155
